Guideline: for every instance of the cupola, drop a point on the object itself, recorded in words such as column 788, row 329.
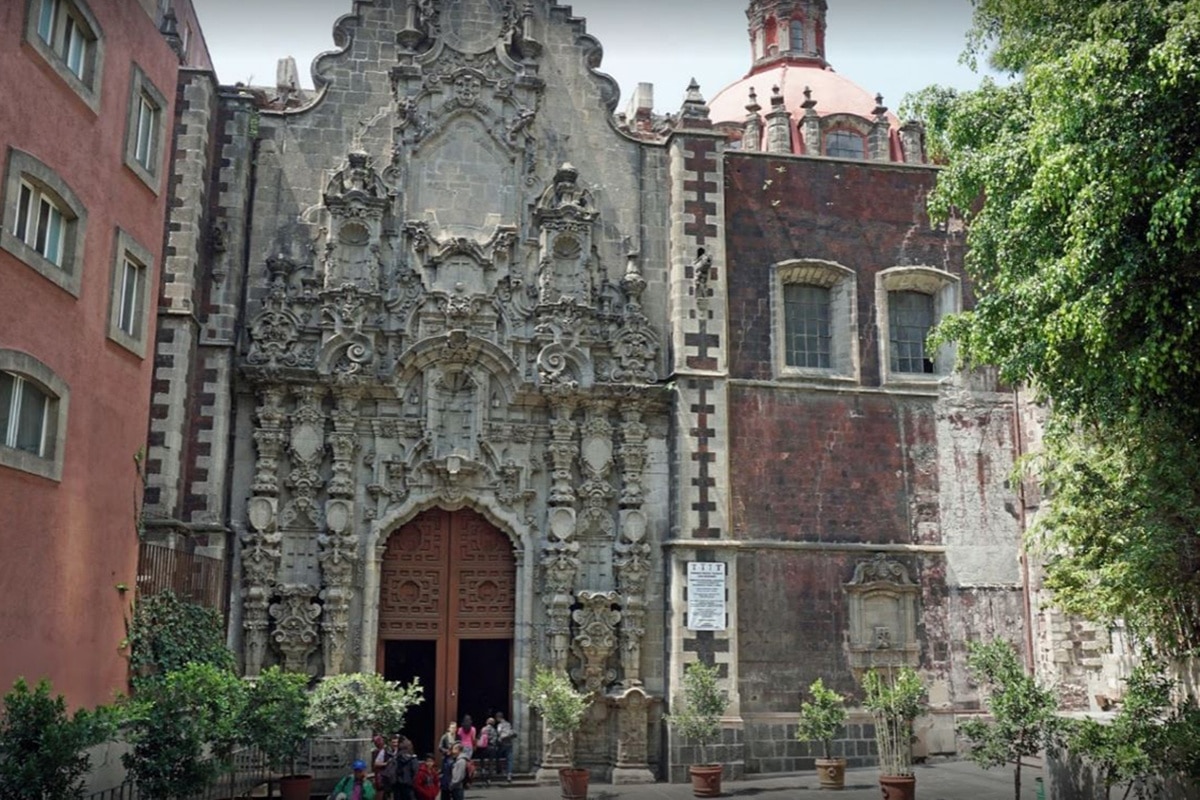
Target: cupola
column 787, row 31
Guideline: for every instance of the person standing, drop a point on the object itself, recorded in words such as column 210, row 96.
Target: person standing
column 428, row 782
column 355, row 786
column 487, row 750
column 506, row 737
column 448, row 739
column 448, row 764
column 383, row 776
column 404, row 770
column 467, row 735
column 458, row 774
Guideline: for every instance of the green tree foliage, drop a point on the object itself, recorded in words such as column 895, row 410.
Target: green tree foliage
column 1080, row 183
column 894, row 698
column 276, row 716
column 698, row 709
column 362, row 702
column 822, row 717
column 1023, row 719
column 169, row 632
column 42, row 747
column 183, row 729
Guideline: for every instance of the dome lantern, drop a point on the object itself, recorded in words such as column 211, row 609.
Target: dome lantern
column 791, row 31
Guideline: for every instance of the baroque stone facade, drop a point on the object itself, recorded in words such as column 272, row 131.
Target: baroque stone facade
column 493, row 376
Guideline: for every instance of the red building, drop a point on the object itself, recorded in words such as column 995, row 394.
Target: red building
column 86, row 128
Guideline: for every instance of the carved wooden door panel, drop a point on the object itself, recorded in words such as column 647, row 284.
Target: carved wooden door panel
column 448, row 580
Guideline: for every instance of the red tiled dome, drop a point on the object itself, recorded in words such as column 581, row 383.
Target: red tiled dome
column 833, row 93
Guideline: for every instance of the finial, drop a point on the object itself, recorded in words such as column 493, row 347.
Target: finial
column 693, row 93
column 808, row 101
column 880, row 108
column 776, row 98
column 753, row 107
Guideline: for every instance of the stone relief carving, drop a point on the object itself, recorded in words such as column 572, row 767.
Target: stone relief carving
column 595, row 637
column 882, row 600
column 295, row 634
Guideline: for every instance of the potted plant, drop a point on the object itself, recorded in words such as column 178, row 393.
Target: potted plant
column 42, row 748
column 698, row 718
column 895, row 698
column 561, row 708
column 820, row 720
column 276, row 721
column 183, row 729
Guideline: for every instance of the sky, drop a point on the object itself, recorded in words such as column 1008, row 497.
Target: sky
column 887, row 46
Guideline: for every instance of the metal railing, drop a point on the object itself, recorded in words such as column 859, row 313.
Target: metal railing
column 195, row 577
column 248, row 773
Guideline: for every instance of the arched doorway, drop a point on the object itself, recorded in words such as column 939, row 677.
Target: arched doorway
column 447, row 605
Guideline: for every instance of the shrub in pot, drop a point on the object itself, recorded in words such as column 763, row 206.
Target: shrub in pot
column 697, row 717
column 561, row 707
column 820, row 720
column 183, row 729
column 42, row 748
column 276, row 721
column 895, row 697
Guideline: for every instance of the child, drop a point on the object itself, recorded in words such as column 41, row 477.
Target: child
column 428, row 781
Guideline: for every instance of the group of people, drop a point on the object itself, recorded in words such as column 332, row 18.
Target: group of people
column 397, row 773
column 491, row 746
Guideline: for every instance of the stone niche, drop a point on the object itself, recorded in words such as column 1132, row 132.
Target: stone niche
column 882, row 601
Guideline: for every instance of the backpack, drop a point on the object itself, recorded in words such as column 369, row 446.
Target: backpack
column 391, row 772
column 483, row 739
column 407, row 772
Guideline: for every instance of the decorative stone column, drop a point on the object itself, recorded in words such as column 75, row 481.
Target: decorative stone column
column 339, row 546
column 752, row 127
column 261, row 550
column 810, row 125
column 295, row 616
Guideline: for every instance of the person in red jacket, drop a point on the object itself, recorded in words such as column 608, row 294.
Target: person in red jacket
column 428, row 782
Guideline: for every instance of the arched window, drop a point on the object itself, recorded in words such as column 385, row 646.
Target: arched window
column 33, row 415
column 815, row 319
column 845, row 144
column 67, row 36
column 911, row 302
column 771, row 34
column 43, row 221
column 796, row 36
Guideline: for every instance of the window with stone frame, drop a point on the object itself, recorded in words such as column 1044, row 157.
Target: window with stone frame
column 144, row 140
column 43, row 220
column 845, row 144
column 67, row 36
column 911, row 301
column 33, row 406
column 796, row 35
column 129, row 312
column 815, row 320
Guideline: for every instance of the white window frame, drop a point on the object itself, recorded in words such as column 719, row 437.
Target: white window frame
column 48, row 463
column 146, row 129
column 946, row 290
column 132, row 288
column 28, row 183
column 8, row 436
column 66, row 34
column 842, row 283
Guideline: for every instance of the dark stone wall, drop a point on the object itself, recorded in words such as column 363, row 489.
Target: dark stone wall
column 866, row 216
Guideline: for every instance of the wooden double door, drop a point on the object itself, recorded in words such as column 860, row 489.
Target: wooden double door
column 447, row 607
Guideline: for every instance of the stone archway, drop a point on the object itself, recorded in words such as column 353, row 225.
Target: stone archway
column 447, row 614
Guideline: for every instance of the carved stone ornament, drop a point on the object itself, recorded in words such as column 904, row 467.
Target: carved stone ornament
column 307, row 451
column 295, row 633
column 596, row 636
column 882, row 600
column 633, row 707
column 275, row 329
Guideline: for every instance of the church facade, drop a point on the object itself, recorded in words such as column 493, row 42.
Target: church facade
column 464, row 372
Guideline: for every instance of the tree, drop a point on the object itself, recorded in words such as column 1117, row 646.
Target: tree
column 698, row 708
column 1080, row 186
column 1023, row 719
column 42, row 748
column 362, row 701
column 183, row 729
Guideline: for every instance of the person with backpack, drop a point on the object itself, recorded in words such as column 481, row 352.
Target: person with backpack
column 407, row 764
column 460, row 772
column 427, row 783
column 382, row 757
column 448, row 765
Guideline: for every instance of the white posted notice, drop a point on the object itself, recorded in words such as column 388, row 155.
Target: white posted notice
column 706, row 596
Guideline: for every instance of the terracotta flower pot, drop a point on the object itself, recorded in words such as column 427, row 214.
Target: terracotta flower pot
column 831, row 772
column 295, row 787
column 706, row 780
column 574, row 783
column 898, row 787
